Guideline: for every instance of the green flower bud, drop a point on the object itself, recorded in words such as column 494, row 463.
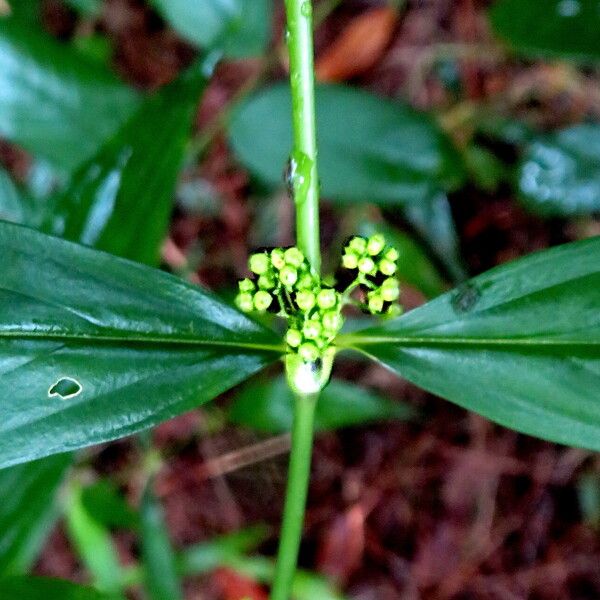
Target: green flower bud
column 262, row 300
column 288, row 276
column 305, row 300
column 308, row 352
column 259, row 263
column 387, row 267
column 312, row 330
column 294, row 257
column 366, row 265
column 390, row 290
column 327, row 298
column 375, row 302
column 305, row 282
column 244, row 302
column 395, row 310
column 358, row 245
column 391, row 254
column 293, row 337
column 332, row 321
column 278, row 258
column 375, row 244
column 266, row 282
column 350, row 261
column 246, row 285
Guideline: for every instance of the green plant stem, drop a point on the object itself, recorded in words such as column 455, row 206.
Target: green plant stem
column 305, row 180
column 295, row 500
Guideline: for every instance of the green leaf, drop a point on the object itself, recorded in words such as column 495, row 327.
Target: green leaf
column 162, row 582
column 42, row 588
column 53, row 102
column 268, row 406
column 519, row 344
column 95, row 347
column 95, row 547
column 414, row 266
column 238, row 27
column 559, row 174
column 121, row 200
column 554, row 28
column 27, row 510
column 370, row 148
column 103, row 502
column 433, row 221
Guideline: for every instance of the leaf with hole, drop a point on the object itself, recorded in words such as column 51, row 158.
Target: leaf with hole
column 121, row 200
column 553, row 28
column 268, row 406
column 370, row 149
column 28, row 510
column 519, row 344
column 144, row 346
column 559, row 173
column 53, row 102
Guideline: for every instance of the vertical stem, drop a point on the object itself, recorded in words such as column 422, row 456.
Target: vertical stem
column 304, row 156
column 295, row 499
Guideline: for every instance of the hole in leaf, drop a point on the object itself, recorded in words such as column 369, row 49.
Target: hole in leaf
column 65, row 388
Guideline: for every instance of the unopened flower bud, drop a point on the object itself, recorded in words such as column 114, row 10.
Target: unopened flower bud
column 294, row 257
column 305, row 282
column 293, row 337
column 375, row 244
column 288, row 276
column 244, row 302
column 358, row 244
column 259, row 263
column 312, row 330
column 308, row 352
column 332, row 321
column 327, row 298
column 395, row 310
column 266, row 282
column 366, row 265
column 305, row 300
column 375, row 302
column 246, row 285
column 350, row 261
column 387, row 267
column 262, row 300
column 391, row 254
column 390, row 290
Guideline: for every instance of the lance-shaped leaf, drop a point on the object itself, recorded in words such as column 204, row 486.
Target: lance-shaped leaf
column 45, row 588
column 94, row 347
column 53, row 102
column 519, row 344
column 27, row 510
column 120, row 201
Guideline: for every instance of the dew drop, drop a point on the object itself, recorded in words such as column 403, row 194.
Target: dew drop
column 465, row 298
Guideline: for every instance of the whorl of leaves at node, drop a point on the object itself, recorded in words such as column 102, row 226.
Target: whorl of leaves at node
column 284, row 284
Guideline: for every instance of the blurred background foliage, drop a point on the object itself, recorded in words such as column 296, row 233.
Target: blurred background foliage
column 467, row 131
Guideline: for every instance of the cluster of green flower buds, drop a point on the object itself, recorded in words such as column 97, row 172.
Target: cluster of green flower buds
column 373, row 266
column 285, row 284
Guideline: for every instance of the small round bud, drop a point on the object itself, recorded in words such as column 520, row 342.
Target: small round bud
column 327, row 298
column 266, row 282
column 358, row 244
column 366, row 265
column 294, row 257
column 259, row 263
column 278, row 258
column 387, row 267
column 262, row 300
column 246, row 285
column 293, row 337
column 391, row 254
column 375, row 302
column 308, row 352
column 244, row 302
column 375, row 244
column 390, row 290
column 312, row 330
column 305, row 282
column 288, row 276
column 395, row 310
column 350, row 261
column 332, row 321
column 305, row 300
